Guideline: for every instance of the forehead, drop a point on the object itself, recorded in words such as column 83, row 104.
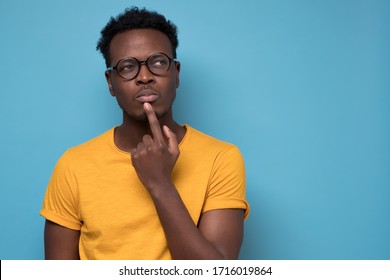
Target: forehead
column 139, row 43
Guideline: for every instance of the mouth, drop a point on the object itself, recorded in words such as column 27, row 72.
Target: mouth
column 147, row 95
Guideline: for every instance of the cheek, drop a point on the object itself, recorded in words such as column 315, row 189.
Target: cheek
column 122, row 89
column 171, row 91
column 175, row 82
column 122, row 93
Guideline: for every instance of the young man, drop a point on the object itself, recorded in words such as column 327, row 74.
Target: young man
column 149, row 188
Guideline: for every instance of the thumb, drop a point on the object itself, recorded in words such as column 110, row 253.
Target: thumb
column 172, row 141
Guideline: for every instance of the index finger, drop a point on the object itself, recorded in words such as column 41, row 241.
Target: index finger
column 154, row 123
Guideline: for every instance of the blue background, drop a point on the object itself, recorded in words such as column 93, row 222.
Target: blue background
column 302, row 87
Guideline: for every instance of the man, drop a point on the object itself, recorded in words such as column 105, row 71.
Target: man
column 149, row 188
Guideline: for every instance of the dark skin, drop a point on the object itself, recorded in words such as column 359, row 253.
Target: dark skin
column 151, row 136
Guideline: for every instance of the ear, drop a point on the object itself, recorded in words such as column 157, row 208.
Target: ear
column 177, row 67
column 108, row 80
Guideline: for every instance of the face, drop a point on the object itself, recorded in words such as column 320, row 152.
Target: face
column 159, row 91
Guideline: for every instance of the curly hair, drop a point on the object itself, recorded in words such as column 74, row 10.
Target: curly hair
column 135, row 18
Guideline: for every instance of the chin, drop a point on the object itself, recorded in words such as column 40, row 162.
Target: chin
column 142, row 115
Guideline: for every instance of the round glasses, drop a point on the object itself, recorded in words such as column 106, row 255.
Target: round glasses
column 129, row 67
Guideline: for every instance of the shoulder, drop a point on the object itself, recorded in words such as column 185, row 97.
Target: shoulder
column 201, row 139
column 201, row 146
column 90, row 149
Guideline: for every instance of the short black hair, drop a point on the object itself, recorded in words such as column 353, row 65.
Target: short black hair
column 135, row 18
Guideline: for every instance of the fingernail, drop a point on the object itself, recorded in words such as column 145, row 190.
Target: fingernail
column 147, row 105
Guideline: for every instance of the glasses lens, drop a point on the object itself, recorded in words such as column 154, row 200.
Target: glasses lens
column 158, row 63
column 128, row 68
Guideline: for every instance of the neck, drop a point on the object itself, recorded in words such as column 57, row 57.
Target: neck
column 131, row 131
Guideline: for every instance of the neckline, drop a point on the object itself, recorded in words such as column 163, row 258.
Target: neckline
column 112, row 141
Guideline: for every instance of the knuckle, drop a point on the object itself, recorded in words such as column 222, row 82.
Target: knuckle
column 147, row 138
column 160, row 147
column 134, row 155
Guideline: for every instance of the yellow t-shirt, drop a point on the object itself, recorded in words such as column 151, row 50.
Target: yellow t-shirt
column 94, row 189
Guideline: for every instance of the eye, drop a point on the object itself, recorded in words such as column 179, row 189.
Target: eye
column 159, row 61
column 127, row 66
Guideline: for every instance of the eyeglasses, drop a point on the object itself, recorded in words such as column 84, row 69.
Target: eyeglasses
column 129, row 67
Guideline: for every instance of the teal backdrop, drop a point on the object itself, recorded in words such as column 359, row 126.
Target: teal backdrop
column 302, row 87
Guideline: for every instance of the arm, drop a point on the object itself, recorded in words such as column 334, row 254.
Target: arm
column 224, row 229
column 61, row 243
column 218, row 236
column 220, row 232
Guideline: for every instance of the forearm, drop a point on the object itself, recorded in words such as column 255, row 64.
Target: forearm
column 185, row 241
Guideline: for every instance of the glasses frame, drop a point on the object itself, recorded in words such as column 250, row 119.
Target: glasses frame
column 140, row 63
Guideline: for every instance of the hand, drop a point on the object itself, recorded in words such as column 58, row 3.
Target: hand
column 154, row 158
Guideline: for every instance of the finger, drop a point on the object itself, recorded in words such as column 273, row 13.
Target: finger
column 154, row 123
column 172, row 140
column 133, row 154
column 148, row 140
column 140, row 147
column 143, row 149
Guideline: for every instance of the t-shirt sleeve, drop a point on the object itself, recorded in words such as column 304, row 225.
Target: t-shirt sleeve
column 60, row 203
column 227, row 183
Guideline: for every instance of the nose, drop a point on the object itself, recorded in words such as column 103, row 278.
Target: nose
column 144, row 75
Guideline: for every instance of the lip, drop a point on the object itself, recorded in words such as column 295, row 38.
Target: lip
column 147, row 95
